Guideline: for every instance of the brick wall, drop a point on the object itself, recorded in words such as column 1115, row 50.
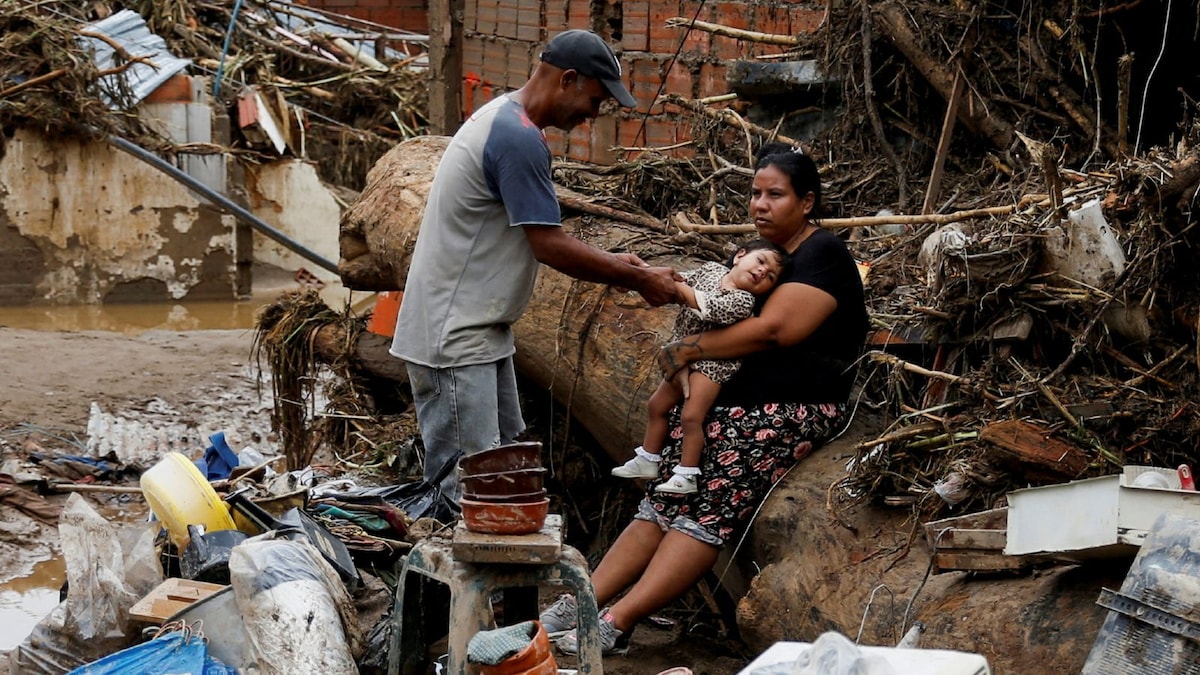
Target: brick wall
column 501, row 40
column 408, row 15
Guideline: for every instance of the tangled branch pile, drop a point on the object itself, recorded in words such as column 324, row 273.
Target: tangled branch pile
column 352, row 88
column 989, row 325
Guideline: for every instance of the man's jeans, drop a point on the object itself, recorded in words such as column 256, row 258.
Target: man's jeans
column 464, row 410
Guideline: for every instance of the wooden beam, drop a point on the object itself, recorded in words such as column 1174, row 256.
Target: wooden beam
column 943, row 147
column 445, row 66
column 1032, row 446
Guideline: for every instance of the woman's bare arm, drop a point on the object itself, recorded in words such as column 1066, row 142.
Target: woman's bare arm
column 792, row 313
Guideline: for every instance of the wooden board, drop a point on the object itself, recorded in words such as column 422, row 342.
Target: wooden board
column 974, row 542
column 169, row 597
column 538, row 548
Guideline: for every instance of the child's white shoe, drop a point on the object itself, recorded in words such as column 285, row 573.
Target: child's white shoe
column 678, row 485
column 638, row 467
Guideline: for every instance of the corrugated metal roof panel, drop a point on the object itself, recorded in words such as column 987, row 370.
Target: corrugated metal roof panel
column 128, row 29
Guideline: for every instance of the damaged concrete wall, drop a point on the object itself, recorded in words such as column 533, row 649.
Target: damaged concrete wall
column 289, row 196
column 82, row 223
column 502, row 39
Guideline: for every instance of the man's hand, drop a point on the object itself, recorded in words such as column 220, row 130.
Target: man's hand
column 659, row 287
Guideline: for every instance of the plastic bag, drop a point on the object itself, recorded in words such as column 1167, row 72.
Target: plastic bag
column 834, row 654
column 418, row 499
column 109, row 567
column 298, row 617
column 178, row 653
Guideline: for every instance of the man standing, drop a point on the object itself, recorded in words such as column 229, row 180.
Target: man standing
column 491, row 218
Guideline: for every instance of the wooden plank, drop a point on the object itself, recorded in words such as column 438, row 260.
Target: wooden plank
column 1034, row 448
column 943, row 147
column 169, row 597
column 980, row 562
column 538, row 548
column 987, row 540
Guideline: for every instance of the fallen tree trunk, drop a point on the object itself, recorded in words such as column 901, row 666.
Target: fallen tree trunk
column 591, row 346
column 859, row 576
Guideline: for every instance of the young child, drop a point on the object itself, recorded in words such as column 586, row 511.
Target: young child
column 715, row 295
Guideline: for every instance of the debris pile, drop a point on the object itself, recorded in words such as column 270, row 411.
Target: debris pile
column 296, row 81
column 1049, row 277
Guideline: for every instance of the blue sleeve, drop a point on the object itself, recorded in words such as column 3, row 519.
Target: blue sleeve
column 516, row 163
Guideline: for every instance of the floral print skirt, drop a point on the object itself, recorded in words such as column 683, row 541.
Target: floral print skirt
column 746, row 451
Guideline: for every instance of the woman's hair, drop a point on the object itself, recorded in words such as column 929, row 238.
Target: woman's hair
column 761, row 245
column 798, row 166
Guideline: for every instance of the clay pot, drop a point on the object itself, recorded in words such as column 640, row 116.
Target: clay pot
column 511, row 457
column 535, row 659
column 498, row 518
column 504, row 483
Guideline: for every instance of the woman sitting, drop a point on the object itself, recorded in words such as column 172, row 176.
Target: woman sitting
column 790, row 396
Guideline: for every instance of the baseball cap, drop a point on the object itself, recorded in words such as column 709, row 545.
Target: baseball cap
column 588, row 54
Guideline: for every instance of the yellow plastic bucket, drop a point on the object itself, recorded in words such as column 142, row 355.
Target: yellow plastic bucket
column 180, row 496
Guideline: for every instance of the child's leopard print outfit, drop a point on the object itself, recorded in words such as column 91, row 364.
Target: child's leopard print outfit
column 717, row 307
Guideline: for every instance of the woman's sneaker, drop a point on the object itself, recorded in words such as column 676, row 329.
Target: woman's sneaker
column 678, row 485
column 612, row 639
column 560, row 617
column 638, row 467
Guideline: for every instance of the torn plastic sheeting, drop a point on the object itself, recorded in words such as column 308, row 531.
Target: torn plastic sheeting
column 177, row 653
column 298, row 616
column 109, row 567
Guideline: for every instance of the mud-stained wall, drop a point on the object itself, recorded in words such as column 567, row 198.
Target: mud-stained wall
column 82, row 223
column 289, row 196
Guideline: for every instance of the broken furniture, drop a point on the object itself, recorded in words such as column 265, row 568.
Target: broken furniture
column 1154, row 625
column 474, row 565
column 974, row 542
column 1107, row 516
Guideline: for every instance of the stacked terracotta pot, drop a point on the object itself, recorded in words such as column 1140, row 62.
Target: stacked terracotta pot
column 503, row 490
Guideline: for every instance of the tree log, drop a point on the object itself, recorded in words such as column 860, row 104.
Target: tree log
column 814, row 574
column 591, row 346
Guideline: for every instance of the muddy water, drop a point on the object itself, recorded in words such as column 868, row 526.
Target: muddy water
column 135, row 319
column 24, row 601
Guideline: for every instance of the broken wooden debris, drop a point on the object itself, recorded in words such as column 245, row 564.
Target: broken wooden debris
column 170, row 597
column 975, row 543
column 1035, row 449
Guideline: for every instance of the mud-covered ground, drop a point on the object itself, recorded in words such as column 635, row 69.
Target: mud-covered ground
column 192, row 384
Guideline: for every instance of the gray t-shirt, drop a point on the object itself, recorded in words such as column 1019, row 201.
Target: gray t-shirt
column 473, row 270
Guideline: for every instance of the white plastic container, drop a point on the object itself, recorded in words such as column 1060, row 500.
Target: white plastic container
column 180, row 496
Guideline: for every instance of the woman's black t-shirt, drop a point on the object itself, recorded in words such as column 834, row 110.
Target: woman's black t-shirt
column 822, row 368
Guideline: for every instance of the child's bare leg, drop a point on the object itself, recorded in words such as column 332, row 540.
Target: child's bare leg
column 647, row 458
column 659, row 407
column 702, row 393
column 695, row 408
